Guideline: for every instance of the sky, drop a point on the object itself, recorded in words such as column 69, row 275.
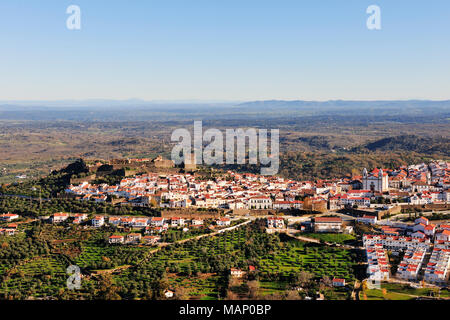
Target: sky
column 224, row 50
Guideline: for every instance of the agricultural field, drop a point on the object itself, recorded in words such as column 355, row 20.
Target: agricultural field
column 200, row 287
column 396, row 291
column 172, row 235
column 296, row 256
column 339, row 238
column 35, row 266
column 195, row 254
column 376, row 294
column 40, row 277
column 102, row 256
column 272, row 287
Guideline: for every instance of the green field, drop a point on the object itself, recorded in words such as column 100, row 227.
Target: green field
column 396, row 291
column 197, row 269
column 330, row 237
column 321, row 261
column 44, row 276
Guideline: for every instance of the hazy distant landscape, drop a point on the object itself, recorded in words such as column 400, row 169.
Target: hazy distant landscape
column 317, row 139
column 137, row 110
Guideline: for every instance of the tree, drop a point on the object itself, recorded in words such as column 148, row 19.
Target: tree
column 107, row 290
column 292, row 295
column 304, row 278
column 253, row 289
column 327, row 281
column 181, row 293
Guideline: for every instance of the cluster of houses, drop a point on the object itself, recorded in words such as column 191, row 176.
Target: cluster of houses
column 77, row 218
column 134, row 238
column 437, row 268
column 10, row 229
column 415, row 249
column 150, row 224
column 412, row 262
column 423, row 229
column 416, row 184
column 377, row 262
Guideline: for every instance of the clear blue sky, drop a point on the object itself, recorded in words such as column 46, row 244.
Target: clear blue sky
column 224, row 50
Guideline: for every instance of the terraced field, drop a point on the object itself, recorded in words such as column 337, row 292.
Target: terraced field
column 103, row 256
column 321, row 261
column 46, row 276
column 197, row 269
column 203, row 287
column 4, row 266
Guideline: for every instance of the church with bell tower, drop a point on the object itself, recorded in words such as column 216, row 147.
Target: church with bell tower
column 376, row 181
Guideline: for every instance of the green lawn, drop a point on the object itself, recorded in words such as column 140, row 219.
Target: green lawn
column 376, row 294
column 330, row 237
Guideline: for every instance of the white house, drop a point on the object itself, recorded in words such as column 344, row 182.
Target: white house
column 282, row 205
column 140, row 223
column 419, row 235
column 133, row 238
column 238, row 273
column 443, row 236
column 197, row 222
column 116, row 239
column 98, row 221
column 79, row 218
column 275, row 222
column 338, row 282
column 9, row 217
column 327, row 224
column 59, row 217
column 157, row 221
column 367, row 219
column 177, row 222
column 223, row 222
column 423, row 220
column 260, row 202
column 430, row 230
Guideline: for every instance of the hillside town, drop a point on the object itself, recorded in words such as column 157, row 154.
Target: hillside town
column 387, row 216
column 423, row 246
column 415, row 185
